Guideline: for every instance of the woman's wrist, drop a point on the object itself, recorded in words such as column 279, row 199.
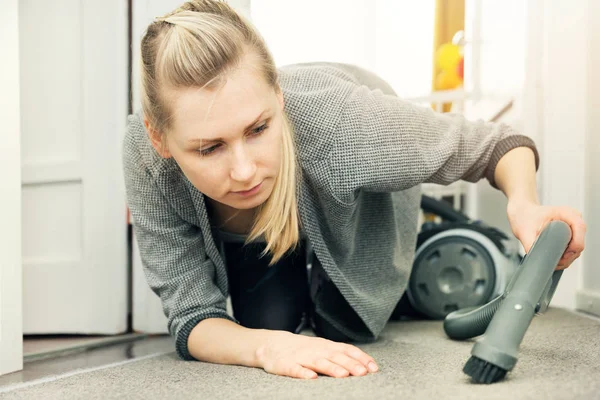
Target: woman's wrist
column 517, row 204
column 264, row 338
column 222, row 341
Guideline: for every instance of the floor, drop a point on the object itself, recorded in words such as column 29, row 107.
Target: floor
column 558, row 359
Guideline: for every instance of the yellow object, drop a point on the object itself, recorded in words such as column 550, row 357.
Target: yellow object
column 447, row 80
column 447, row 56
column 449, row 19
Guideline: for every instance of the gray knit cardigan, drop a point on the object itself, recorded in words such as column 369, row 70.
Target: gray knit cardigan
column 363, row 153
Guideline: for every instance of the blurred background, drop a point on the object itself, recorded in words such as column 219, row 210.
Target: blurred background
column 71, row 272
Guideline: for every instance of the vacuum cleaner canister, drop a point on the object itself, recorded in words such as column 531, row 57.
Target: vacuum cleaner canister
column 460, row 266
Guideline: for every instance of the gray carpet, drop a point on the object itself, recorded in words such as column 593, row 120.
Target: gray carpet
column 559, row 359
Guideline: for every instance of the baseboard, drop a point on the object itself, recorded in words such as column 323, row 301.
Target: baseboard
column 63, row 349
column 588, row 301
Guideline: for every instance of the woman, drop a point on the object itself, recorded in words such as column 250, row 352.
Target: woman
column 238, row 175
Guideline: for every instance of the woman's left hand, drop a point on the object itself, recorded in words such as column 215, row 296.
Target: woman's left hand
column 527, row 220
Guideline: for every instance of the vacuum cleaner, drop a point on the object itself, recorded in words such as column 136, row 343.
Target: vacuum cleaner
column 465, row 274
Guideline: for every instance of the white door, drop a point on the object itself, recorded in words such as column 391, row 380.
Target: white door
column 147, row 310
column 74, row 94
column 11, row 334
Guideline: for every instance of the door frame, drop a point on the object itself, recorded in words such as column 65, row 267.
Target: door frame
column 11, row 311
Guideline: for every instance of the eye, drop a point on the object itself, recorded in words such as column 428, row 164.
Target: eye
column 255, row 132
column 259, row 130
column 209, row 150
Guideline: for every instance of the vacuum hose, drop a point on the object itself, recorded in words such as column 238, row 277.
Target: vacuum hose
column 470, row 322
column 473, row 321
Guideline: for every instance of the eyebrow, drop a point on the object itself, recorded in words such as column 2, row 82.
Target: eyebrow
column 202, row 140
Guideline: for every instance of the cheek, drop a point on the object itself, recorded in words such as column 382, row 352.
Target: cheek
column 202, row 174
column 272, row 149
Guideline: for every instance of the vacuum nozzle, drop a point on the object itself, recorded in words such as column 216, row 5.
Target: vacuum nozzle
column 529, row 292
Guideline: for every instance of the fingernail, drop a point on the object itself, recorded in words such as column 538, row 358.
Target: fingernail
column 372, row 367
column 361, row 370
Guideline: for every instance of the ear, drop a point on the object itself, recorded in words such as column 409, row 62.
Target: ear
column 155, row 139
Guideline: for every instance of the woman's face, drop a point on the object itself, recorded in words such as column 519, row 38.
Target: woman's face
column 228, row 140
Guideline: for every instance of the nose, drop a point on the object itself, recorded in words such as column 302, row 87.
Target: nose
column 243, row 165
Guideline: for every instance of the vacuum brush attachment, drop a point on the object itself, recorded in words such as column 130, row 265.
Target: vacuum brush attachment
column 506, row 319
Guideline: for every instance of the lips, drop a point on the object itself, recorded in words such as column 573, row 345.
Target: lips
column 249, row 192
column 246, row 191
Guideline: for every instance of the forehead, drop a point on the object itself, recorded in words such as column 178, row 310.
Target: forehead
column 242, row 94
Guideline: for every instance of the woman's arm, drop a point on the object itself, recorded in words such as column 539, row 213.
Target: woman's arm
column 221, row 341
column 383, row 143
column 515, row 175
column 278, row 352
column 172, row 250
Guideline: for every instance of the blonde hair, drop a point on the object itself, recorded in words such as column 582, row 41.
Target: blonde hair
column 195, row 46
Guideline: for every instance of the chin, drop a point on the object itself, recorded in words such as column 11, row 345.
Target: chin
column 247, row 205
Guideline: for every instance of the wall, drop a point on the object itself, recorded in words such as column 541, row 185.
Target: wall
column 592, row 211
column 588, row 298
column 394, row 38
column 564, row 102
column 545, row 61
column 497, row 75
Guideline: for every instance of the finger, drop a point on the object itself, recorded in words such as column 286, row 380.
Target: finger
column 563, row 266
column 296, row 371
column 569, row 257
column 575, row 211
column 567, row 260
column 578, row 229
column 327, row 367
column 361, row 356
column 577, row 243
column 350, row 364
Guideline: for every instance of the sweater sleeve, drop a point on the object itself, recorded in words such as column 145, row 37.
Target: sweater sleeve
column 384, row 143
column 172, row 251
